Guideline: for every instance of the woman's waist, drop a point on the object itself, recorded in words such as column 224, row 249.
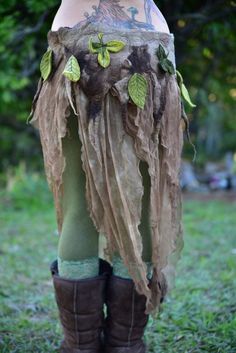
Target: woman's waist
column 92, row 38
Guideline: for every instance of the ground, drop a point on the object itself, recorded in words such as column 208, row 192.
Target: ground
column 198, row 315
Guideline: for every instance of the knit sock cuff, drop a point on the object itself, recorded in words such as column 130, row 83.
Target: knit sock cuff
column 78, row 269
column 119, row 269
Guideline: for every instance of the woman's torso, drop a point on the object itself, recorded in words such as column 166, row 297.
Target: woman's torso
column 131, row 14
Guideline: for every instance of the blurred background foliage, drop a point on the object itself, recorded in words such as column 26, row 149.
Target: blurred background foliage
column 205, row 39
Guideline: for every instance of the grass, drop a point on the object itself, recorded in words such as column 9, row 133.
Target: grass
column 198, row 315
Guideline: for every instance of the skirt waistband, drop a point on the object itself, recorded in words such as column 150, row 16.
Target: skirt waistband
column 78, row 37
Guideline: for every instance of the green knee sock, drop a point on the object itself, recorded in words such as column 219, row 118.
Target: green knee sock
column 119, row 269
column 78, row 269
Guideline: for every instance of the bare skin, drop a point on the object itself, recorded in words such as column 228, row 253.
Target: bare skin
column 129, row 14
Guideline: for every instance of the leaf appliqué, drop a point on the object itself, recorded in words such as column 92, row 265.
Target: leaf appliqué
column 100, row 36
column 103, row 49
column 93, row 47
column 167, row 66
column 184, row 90
column 161, row 54
column 115, row 46
column 104, row 57
column 46, row 64
column 137, row 88
column 164, row 63
column 72, row 69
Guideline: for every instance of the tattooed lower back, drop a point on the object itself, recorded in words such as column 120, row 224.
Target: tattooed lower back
column 128, row 14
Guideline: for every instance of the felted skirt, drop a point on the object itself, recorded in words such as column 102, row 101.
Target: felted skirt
column 121, row 85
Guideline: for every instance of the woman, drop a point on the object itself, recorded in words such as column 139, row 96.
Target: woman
column 108, row 110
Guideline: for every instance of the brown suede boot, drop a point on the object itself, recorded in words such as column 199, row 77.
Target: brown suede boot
column 126, row 319
column 80, row 303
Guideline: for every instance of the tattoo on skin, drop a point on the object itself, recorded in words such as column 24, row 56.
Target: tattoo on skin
column 113, row 14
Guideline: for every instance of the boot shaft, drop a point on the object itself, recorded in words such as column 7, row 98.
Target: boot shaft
column 126, row 319
column 80, row 304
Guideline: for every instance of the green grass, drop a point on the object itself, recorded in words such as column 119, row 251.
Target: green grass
column 198, row 315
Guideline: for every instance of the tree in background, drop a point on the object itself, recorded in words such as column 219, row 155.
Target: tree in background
column 205, row 33
column 205, row 38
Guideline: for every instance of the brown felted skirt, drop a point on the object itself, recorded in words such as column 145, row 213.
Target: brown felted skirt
column 116, row 134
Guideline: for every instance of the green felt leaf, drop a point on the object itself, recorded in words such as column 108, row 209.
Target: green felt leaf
column 163, row 65
column 186, row 96
column 137, row 88
column 100, row 35
column 179, row 77
column 103, row 57
column 46, row 64
column 102, row 49
column 171, row 68
column 161, row 54
column 97, row 45
column 72, row 69
column 184, row 90
column 115, row 45
column 167, row 66
column 93, row 47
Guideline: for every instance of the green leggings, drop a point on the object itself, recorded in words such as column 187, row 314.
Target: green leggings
column 79, row 237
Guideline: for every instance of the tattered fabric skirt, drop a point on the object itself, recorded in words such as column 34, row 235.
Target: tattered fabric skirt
column 120, row 122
